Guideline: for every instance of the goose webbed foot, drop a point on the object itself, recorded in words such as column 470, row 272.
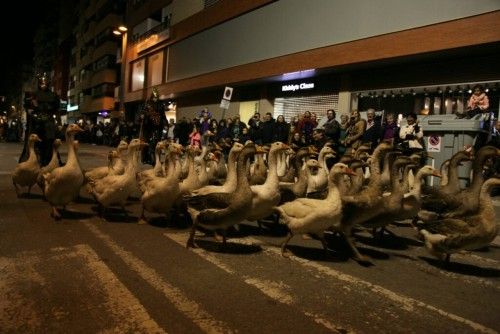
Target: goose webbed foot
column 324, row 243
column 190, row 241
column 284, row 251
column 221, row 236
column 55, row 213
column 356, row 254
column 142, row 219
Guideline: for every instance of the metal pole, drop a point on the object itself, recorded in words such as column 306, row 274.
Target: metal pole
column 122, row 74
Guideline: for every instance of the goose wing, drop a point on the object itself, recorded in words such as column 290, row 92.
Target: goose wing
column 209, row 201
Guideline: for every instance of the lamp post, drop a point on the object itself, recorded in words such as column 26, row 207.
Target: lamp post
column 122, row 31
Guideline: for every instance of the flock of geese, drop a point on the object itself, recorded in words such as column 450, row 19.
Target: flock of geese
column 361, row 191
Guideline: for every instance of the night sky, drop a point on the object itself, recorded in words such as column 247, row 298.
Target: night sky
column 18, row 23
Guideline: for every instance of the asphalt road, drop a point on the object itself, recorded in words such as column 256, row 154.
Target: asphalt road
column 85, row 274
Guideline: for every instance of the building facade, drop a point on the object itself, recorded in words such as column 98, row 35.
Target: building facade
column 94, row 71
column 190, row 50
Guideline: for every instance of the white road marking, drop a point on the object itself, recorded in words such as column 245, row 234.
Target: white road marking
column 416, row 262
column 274, row 290
column 125, row 310
column 189, row 308
column 407, row 303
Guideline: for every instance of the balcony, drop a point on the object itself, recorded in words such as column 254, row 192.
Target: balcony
column 103, row 76
column 150, row 38
column 95, row 105
column 107, row 48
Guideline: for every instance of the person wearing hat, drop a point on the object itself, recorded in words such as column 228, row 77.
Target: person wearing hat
column 42, row 108
column 152, row 125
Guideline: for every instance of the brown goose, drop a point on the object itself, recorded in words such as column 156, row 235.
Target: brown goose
column 218, row 211
column 291, row 191
column 451, row 235
column 258, row 170
column 297, row 163
column 412, row 200
column 392, row 203
column 466, row 201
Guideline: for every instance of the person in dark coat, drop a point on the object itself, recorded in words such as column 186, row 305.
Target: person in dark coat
column 371, row 135
column 268, row 129
column 282, row 130
column 332, row 129
column 152, row 129
column 41, row 108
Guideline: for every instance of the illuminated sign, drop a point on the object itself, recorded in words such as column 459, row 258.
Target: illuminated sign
column 294, row 87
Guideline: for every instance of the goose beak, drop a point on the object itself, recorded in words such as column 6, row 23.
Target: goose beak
column 349, row 171
column 436, row 173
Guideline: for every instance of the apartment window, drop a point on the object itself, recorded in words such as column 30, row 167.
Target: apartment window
column 138, row 75
column 155, row 69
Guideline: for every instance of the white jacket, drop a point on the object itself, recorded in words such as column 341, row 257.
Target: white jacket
column 410, row 130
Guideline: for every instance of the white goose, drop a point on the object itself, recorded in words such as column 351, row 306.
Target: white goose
column 160, row 193
column 26, row 173
column 115, row 189
column 62, row 184
column 231, row 180
column 267, row 195
column 319, row 181
column 117, row 168
column 308, row 215
column 53, row 164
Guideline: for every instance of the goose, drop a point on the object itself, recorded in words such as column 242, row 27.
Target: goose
column 319, row 181
column 291, row 191
column 363, row 206
column 282, row 164
column 258, row 170
column 221, row 169
column 267, row 195
column 314, row 216
column 192, row 180
column 62, row 184
column 392, row 203
column 412, row 200
column 159, row 193
column 290, row 172
column 451, row 235
column 53, row 163
column 115, row 189
column 26, row 173
column 466, row 201
column 230, row 183
column 218, row 211
column 115, row 167
column 157, row 169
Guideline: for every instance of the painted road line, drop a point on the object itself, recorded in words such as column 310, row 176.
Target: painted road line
column 27, row 269
column 424, row 266
column 189, row 308
column 275, row 290
column 407, row 303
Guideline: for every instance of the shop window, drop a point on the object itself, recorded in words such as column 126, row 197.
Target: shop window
column 155, row 69
column 293, row 106
column 138, row 75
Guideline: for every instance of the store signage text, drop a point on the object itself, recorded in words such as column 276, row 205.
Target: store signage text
column 294, row 87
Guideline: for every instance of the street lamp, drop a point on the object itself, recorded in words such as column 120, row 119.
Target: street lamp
column 122, row 31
